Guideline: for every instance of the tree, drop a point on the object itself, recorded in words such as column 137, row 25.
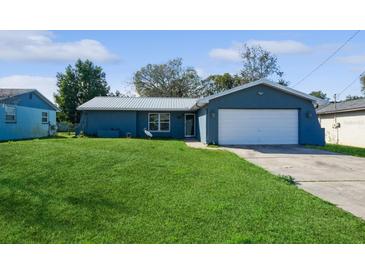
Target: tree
column 168, row 80
column 117, row 93
column 259, row 63
column 77, row 85
column 355, row 97
column 362, row 81
column 319, row 94
column 218, row 83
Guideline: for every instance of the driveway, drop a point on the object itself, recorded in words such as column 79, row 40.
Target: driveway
column 336, row 178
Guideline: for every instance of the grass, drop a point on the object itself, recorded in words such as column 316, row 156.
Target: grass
column 86, row 190
column 354, row 151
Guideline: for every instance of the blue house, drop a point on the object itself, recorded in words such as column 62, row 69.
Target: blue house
column 25, row 114
column 260, row 112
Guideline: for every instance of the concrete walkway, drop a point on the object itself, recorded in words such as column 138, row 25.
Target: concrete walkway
column 336, row 178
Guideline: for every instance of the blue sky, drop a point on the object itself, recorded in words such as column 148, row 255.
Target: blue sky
column 33, row 58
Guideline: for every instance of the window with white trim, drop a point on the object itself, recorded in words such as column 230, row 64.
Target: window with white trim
column 10, row 114
column 44, row 117
column 159, row 122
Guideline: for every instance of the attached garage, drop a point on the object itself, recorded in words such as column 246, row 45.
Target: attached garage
column 262, row 113
column 258, row 126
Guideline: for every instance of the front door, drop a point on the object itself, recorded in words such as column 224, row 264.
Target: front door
column 189, row 125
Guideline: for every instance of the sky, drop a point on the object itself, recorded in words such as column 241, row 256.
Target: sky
column 32, row 59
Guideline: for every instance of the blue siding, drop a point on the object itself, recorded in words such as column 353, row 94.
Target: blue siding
column 130, row 121
column 30, row 99
column 122, row 121
column 202, row 125
column 310, row 131
column 177, row 125
column 28, row 123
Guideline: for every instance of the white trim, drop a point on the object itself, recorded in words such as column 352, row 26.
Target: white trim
column 14, row 110
column 47, row 117
column 266, row 82
column 185, row 125
column 158, row 121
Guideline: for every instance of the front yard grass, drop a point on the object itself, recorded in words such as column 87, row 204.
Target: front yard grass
column 86, row 190
column 354, row 151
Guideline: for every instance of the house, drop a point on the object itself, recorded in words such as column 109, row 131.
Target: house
column 344, row 123
column 25, row 114
column 260, row 112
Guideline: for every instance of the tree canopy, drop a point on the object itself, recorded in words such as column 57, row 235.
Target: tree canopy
column 77, row 85
column 218, row 83
column 259, row 63
column 319, row 94
column 171, row 79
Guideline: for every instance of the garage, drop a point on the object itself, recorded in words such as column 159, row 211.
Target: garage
column 257, row 126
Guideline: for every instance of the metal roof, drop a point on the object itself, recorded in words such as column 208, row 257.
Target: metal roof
column 139, row 103
column 6, row 93
column 266, row 82
column 345, row 106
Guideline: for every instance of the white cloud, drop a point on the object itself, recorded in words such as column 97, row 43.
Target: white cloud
column 352, row 59
column 46, row 85
column 229, row 54
column 281, row 46
column 275, row 46
column 41, row 46
column 201, row 72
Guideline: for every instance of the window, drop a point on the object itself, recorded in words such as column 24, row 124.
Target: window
column 159, row 121
column 44, row 117
column 10, row 114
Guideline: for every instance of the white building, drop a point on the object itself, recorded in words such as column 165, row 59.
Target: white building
column 344, row 123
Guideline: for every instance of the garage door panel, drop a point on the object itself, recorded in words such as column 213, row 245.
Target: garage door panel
column 257, row 126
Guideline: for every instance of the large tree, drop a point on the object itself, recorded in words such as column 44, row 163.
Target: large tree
column 77, row 85
column 218, row 83
column 171, row 79
column 259, row 63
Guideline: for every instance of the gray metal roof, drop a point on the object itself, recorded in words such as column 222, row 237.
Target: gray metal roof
column 345, row 106
column 7, row 93
column 139, row 103
column 11, row 92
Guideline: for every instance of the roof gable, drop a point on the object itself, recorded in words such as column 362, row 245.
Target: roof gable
column 7, row 94
column 266, row 82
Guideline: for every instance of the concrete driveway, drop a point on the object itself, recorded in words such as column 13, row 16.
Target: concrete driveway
column 336, row 178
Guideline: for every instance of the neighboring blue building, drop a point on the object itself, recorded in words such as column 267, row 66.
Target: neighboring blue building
column 25, row 114
column 261, row 112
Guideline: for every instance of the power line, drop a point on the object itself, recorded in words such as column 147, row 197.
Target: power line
column 349, row 85
column 328, row 58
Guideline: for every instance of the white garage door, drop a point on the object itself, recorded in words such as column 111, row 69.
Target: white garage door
column 257, row 126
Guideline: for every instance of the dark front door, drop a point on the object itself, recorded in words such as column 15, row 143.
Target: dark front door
column 189, row 125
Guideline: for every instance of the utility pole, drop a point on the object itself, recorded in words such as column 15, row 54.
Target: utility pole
column 335, row 117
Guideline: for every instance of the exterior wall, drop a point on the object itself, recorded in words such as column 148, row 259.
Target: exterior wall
column 310, row 131
column 351, row 131
column 28, row 123
column 133, row 122
column 102, row 122
column 177, row 124
column 202, row 121
column 31, row 100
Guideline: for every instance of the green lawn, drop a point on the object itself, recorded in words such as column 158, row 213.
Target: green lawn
column 354, row 151
column 85, row 190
